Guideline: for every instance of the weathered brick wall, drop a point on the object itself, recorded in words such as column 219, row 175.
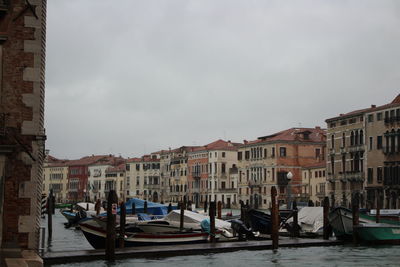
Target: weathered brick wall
column 22, row 100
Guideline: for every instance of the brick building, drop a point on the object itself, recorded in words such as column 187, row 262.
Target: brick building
column 22, row 136
column 265, row 162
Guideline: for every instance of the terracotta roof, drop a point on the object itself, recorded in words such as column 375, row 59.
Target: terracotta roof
column 88, row 160
column 293, row 134
column 218, row 145
column 372, row 108
column 145, row 158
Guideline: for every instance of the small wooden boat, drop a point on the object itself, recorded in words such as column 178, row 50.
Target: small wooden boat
column 378, row 233
column 96, row 236
column 341, row 220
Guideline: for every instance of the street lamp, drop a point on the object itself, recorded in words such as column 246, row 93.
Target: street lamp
column 289, row 177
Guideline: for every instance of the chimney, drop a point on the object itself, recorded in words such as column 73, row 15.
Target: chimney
column 373, row 106
column 318, row 127
column 341, row 114
column 245, row 142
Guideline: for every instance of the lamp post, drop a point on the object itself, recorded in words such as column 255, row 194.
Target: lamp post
column 289, row 177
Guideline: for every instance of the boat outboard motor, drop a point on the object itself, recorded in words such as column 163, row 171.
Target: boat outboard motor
column 240, row 228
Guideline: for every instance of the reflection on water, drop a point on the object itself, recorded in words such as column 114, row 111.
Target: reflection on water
column 71, row 239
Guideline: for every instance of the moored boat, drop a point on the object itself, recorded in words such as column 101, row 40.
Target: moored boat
column 378, row 233
column 310, row 222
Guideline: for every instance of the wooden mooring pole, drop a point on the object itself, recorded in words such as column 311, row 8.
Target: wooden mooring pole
column 49, row 214
column 295, row 231
column 111, row 217
column 145, row 207
column 219, row 210
column 182, row 214
column 356, row 215
column 274, row 219
column 378, row 209
column 326, row 219
column 133, row 208
column 212, row 221
column 205, row 205
column 169, row 207
column 122, row 222
column 97, row 207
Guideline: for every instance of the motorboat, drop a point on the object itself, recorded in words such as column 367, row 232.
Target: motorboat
column 378, row 233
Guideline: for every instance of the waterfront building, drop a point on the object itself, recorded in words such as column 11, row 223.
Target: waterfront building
column 382, row 126
column 314, row 183
column 100, row 182
column 115, row 180
column 346, row 156
column 265, row 162
column 212, row 173
column 143, row 177
column 22, row 133
column 363, row 155
column 55, row 177
column 175, row 173
column 78, row 176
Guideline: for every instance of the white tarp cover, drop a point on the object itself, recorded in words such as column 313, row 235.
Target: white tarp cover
column 311, row 219
column 193, row 217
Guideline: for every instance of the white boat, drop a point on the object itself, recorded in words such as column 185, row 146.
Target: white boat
column 192, row 221
column 310, row 221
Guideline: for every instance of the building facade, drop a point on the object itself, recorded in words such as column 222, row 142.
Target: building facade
column 143, row 178
column 363, row 156
column 22, row 135
column 55, row 178
column 314, row 182
column 265, row 162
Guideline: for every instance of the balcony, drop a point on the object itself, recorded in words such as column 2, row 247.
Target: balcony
column 196, row 175
column 253, row 184
column 227, row 190
column 391, row 120
column 356, row 148
column 390, row 150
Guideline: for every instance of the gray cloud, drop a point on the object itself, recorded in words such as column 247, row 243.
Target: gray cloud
column 137, row 76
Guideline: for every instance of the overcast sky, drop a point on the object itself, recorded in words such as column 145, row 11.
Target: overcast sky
column 133, row 77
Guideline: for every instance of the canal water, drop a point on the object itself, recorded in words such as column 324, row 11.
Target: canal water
column 72, row 239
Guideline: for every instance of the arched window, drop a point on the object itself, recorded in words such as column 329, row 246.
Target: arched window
column 393, row 141
column 343, row 139
column 356, row 138
column 361, row 137
column 352, row 138
column 332, row 141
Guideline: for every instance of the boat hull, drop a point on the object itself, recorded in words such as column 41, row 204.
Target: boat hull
column 96, row 237
column 341, row 220
column 378, row 233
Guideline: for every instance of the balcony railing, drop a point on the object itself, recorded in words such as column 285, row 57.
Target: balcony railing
column 228, row 190
column 390, row 120
column 355, row 148
column 390, row 150
column 196, row 175
column 253, row 183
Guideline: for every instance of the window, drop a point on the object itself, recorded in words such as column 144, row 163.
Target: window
column 379, row 175
column 343, row 139
column 223, row 168
column 273, row 152
column 138, row 167
column 239, row 155
column 247, row 155
column 222, row 185
column 332, row 141
column 370, row 117
column 128, row 167
column 379, row 142
column 379, row 116
column 265, row 153
column 371, row 143
column 223, row 154
column 317, row 153
column 370, row 175
column 282, row 151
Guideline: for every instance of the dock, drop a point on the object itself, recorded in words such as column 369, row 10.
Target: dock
column 180, row 250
